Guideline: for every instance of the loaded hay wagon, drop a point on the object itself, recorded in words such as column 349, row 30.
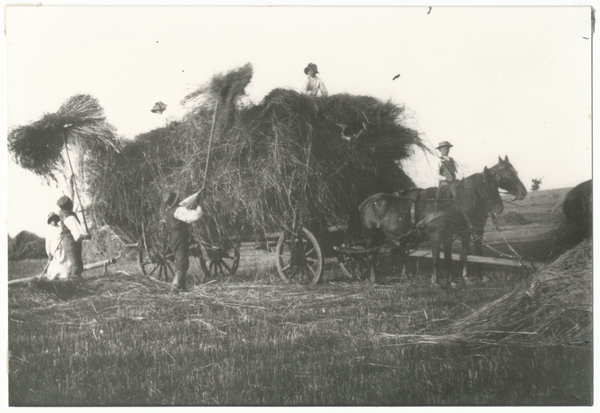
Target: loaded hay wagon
column 290, row 169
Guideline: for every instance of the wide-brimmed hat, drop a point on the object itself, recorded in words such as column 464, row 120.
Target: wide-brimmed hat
column 52, row 217
column 159, row 107
column 64, row 202
column 170, row 199
column 443, row 144
column 309, row 67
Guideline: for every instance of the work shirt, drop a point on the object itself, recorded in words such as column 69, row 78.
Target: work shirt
column 189, row 216
column 447, row 169
column 185, row 213
column 314, row 85
column 70, row 223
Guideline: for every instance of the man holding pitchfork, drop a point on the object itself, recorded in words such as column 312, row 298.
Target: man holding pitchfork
column 179, row 216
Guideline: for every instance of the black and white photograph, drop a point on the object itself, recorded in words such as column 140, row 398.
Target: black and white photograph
column 298, row 205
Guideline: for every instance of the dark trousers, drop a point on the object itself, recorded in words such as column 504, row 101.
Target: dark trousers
column 73, row 251
column 443, row 190
column 180, row 246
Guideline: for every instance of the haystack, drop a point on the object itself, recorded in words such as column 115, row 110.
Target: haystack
column 556, row 308
column 270, row 163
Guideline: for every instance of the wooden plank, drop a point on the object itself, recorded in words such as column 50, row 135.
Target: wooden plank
column 85, row 268
column 483, row 260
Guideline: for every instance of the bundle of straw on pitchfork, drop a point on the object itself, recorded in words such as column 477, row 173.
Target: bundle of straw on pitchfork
column 79, row 125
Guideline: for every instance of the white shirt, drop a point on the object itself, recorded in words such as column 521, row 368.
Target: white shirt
column 187, row 215
column 313, row 85
column 75, row 227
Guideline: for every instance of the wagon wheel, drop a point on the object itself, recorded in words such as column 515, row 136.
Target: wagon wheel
column 219, row 260
column 355, row 265
column 156, row 259
column 299, row 259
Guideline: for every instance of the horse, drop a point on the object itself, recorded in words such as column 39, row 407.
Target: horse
column 409, row 218
column 578, row 209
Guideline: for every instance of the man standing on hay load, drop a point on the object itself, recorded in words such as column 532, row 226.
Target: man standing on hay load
column 72, row 235
column 447, row 173
column 314, row 84
column 179, row 216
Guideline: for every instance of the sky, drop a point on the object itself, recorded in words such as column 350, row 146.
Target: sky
column 494, row 81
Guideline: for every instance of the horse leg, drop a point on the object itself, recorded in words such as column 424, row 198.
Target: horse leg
column 371, row 255
column 478, row 246
column 447, row 245
column 406, row 269
column 435, row 256
column 465, row 251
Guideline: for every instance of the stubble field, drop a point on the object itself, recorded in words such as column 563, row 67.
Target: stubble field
column 122, row 339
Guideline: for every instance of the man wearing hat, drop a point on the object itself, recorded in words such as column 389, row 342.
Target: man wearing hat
column 314, row 84
column 72, row 235
column 447, row 173
column 179, row 216
column 59, row 265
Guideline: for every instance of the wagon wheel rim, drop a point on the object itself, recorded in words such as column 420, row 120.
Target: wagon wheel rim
column 155, row 258
column 300, row 261
column 219, row 261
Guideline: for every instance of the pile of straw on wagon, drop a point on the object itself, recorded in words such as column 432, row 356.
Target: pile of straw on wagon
column 262, row 165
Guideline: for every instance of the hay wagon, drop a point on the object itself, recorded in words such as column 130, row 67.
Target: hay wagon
column 287, row 172
column 300, row 252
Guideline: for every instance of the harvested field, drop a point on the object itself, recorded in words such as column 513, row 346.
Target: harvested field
column 123, row 339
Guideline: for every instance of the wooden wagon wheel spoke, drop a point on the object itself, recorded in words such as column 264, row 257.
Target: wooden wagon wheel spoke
column 219, row 260
column 311, row 269
column 307, row 253
column 155, row 257
column 225, row 265
column 354, row 266
column 169, row 267
column 153, row 270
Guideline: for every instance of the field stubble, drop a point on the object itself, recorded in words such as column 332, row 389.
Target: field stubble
column 122, row 339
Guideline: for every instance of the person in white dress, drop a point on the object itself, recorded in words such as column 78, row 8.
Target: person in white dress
column 59, row 266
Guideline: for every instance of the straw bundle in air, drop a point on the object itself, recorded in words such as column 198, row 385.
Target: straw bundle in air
column 79, row 123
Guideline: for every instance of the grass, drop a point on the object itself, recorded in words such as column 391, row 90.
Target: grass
column 124, row 340
column 120, row 339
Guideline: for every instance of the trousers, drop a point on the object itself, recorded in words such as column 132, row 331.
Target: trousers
column 73, row 251
column 180, row 246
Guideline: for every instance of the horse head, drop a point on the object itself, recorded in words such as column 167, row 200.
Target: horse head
column 489, row 192
column 507, row 178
